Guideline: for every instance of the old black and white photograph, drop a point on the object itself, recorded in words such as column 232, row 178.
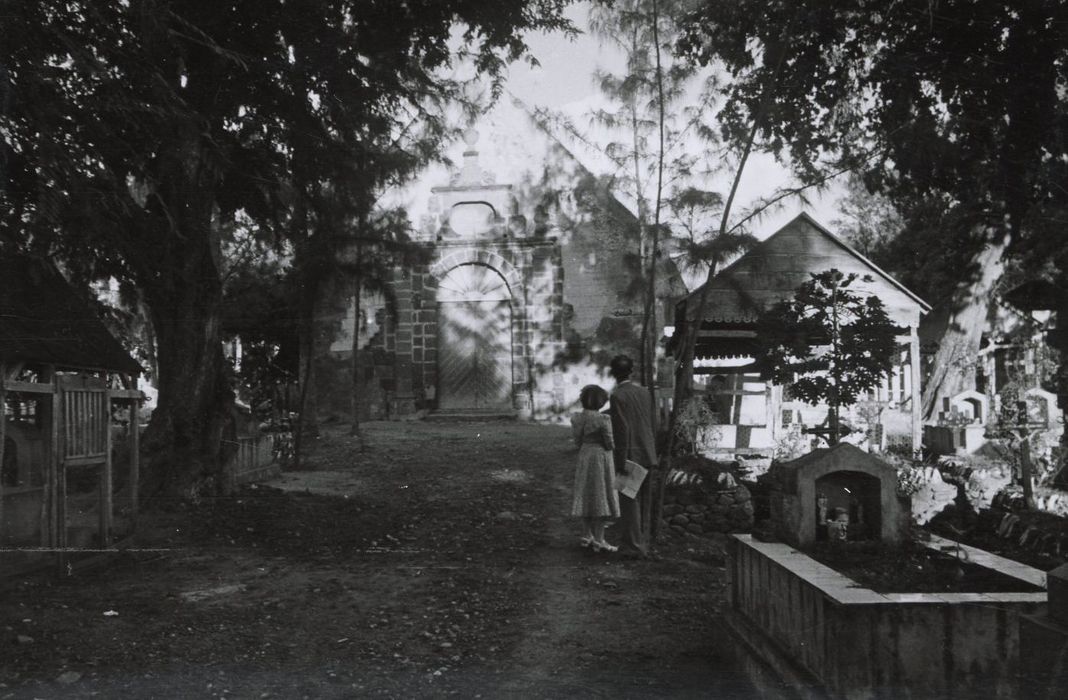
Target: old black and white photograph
column 534, row 349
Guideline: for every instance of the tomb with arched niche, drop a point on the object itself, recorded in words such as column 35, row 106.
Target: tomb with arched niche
column 1042, row 409
column 962, row 424
column 839, row 492
column 968, row 407
column 849, row 613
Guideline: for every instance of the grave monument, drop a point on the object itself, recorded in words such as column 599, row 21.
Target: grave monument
column 837, row 493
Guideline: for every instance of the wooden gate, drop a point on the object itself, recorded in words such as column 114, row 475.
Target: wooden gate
column 84, row 442
column 474, row 355
column 474, row 340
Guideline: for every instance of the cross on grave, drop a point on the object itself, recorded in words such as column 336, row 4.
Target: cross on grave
column 1023, row 428
column 827, row 432
column 1022, row 423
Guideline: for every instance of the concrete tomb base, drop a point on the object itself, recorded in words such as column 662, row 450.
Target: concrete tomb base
column 1044, row 643
column 819, row 627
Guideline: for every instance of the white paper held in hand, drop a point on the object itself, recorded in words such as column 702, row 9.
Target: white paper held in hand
column 631, row 480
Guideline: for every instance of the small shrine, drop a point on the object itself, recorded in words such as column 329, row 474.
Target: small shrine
column 839, row 493
column 65, row 383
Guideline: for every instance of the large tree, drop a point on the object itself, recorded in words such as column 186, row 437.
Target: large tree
column 867, row 220
column 133, row 130
column 960, row 102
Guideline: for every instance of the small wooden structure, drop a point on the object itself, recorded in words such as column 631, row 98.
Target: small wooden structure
column 64, row 378
column 754, row 414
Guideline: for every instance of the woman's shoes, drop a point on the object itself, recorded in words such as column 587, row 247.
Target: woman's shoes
column 597, row 546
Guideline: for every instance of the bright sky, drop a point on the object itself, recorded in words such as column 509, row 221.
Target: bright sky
column 564, row 82
column 566, row 71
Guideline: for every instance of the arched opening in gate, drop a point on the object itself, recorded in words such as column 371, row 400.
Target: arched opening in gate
column 474, row 339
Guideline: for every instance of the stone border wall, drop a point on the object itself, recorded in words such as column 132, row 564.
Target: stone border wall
column 701, row 511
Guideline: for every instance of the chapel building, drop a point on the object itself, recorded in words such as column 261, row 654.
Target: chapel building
column 530, row 283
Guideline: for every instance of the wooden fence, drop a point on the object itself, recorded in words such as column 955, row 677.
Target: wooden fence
column 255, row 459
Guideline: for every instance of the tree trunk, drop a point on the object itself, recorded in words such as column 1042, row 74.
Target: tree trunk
column 307, row 404
column 192, row 431
column 651, row 324
column 960, row 328
column 145, row 314
column 184, row 443
column 836, row 369
column 3, row 441
column 304, row 262
column 644, row 363
column 645, row 371
column 356, row 378
column 692, row 329
column 1026, row 469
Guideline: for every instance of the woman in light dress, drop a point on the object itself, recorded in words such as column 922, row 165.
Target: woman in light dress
column 595, row 499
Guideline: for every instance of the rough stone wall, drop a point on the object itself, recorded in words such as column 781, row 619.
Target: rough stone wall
column 399, row 361
column 573, row 307
column 702, row 511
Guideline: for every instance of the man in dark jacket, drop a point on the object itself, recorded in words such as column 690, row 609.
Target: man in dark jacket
column 632, row 424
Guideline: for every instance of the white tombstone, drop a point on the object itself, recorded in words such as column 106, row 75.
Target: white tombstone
column 1043, row 404
column 973, row 404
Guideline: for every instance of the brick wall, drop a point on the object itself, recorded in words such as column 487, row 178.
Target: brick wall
column 571, row 311
column 567, row 250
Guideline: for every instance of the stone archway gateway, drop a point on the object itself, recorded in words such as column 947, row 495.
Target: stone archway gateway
column 474, row 339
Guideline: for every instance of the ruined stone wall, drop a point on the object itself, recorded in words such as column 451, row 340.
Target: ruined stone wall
column 574, row 304
column 400, row 360
column 522, row 204
column 532, row 270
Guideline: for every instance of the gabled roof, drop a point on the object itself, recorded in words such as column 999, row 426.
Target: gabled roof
column 42, row 320
column 593, row 161
column 590, row 158
column 773, row 269
column 841, row 457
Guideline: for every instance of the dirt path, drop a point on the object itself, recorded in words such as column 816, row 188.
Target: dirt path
column 602, row 627
column 436, row 562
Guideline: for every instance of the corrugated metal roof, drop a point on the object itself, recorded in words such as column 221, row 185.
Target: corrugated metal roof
column 42, row 320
